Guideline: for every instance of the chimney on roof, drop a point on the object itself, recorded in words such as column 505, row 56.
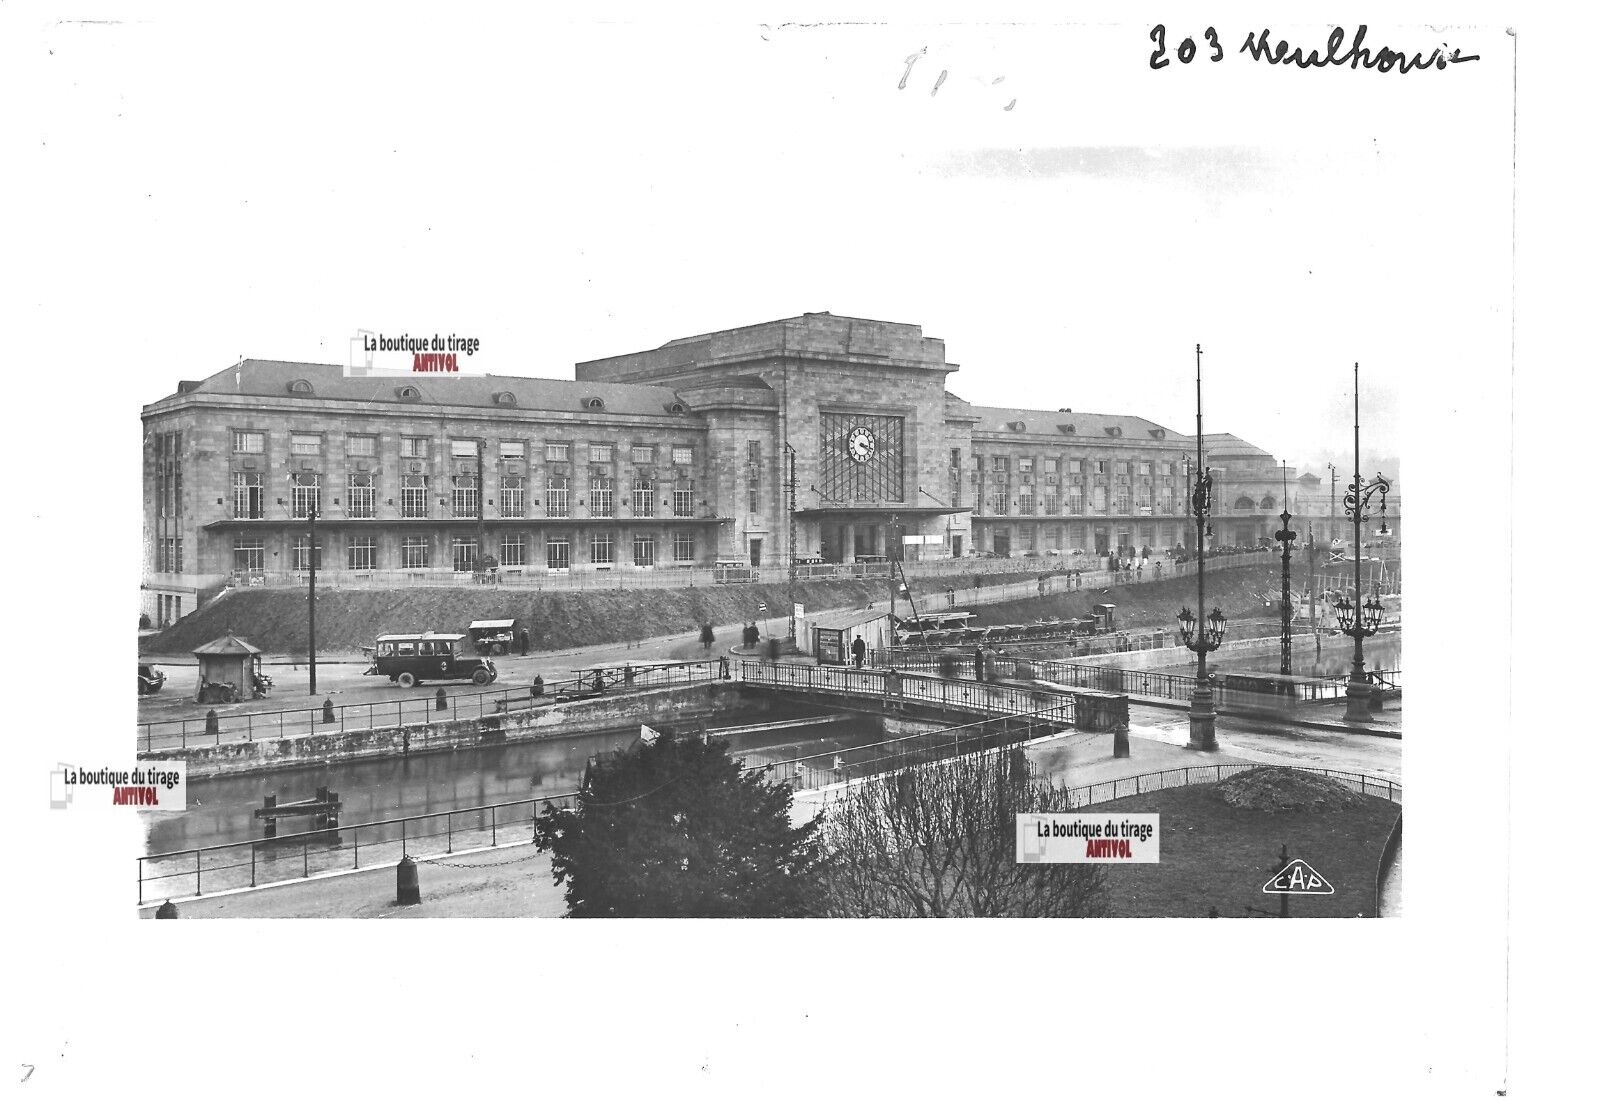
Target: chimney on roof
column 1064, row 410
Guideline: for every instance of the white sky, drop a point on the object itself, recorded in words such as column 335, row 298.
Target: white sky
column 565, row 192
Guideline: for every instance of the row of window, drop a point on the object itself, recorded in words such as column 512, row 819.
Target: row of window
column 416, row 551
column 305, row 497
column 1076, row 537
column 1099, row 501
column 252, row 441
column 1026, row 503
column 1051, row 466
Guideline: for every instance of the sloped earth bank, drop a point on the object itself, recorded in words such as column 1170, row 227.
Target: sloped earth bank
column 274, row 619
column 1216, row 855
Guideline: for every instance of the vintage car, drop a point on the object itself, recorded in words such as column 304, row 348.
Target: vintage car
column 150, row 679
column 411, row 659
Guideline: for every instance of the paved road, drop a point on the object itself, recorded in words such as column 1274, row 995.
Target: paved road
column 343, row 681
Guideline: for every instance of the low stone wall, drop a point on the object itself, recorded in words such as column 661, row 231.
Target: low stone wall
column 546, row 721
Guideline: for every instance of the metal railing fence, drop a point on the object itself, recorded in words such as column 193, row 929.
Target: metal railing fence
column 1230, row 693
column 471, row 703
column 248, row 863
column 1087, row 796
column 893, row 686
column 819, row 771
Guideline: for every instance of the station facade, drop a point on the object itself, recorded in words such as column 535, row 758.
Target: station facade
column 819, row 438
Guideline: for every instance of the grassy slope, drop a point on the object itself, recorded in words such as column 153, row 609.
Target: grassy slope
column 274, row 619
column 1213, row 854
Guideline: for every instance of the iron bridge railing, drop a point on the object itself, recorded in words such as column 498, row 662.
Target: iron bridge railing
column 470, row 703
column 248, row 863
column 1086, row 796
column 898, row 687
column 1232, row 693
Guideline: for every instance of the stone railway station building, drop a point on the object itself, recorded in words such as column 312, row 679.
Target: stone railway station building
column 677, row 456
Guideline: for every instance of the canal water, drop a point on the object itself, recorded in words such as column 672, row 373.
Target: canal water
column 1382, row 652
column 221, row 809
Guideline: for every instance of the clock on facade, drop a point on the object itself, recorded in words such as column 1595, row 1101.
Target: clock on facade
column 862, row 444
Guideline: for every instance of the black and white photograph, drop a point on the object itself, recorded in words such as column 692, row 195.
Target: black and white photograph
column 763, row 477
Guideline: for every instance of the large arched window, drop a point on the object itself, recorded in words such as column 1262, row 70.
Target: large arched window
column 1244, row 503
column 1266, row 503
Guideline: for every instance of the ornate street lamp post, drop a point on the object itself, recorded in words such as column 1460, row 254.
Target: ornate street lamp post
column 1356, row 618
column 1286, row 537
column 1202, row 639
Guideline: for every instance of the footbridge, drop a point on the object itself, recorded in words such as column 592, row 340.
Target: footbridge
column 919, row 695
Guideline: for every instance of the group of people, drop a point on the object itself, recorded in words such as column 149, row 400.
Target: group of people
column 1125, row 570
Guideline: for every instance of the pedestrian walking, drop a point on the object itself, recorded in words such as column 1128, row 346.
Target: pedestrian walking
column 706, row 637
column 858, row 651
column 977, row 664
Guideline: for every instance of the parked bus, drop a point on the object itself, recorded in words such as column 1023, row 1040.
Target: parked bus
column 411, row 659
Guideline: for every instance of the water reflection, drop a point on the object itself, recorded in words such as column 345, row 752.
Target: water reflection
column 221, row 810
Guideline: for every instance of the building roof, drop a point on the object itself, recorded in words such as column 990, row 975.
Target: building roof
column 996, row 419
column 1226, row 444
column 229, row 644
column 272, row 379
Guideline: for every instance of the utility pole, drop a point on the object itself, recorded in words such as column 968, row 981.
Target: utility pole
column 1311, row 583
column 311, row 595
column 1286, row 537
column 893, row 527
column 1333, row 495
column 789, row 450
column 483, row 563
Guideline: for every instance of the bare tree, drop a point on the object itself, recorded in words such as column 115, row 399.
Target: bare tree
column 939, row 840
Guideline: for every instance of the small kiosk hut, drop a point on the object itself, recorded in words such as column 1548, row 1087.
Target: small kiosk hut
column 831, row 645
column 228, row 668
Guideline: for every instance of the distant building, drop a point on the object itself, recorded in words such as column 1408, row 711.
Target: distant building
column 677, row 456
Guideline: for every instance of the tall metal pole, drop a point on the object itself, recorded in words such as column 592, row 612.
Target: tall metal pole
column 1356, row 694
column 789, row 450
column 1311, row 587
column 311, row 595
column 482, row 563
column 1202, row 708
column 1333, row 499
column 1286, row 537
